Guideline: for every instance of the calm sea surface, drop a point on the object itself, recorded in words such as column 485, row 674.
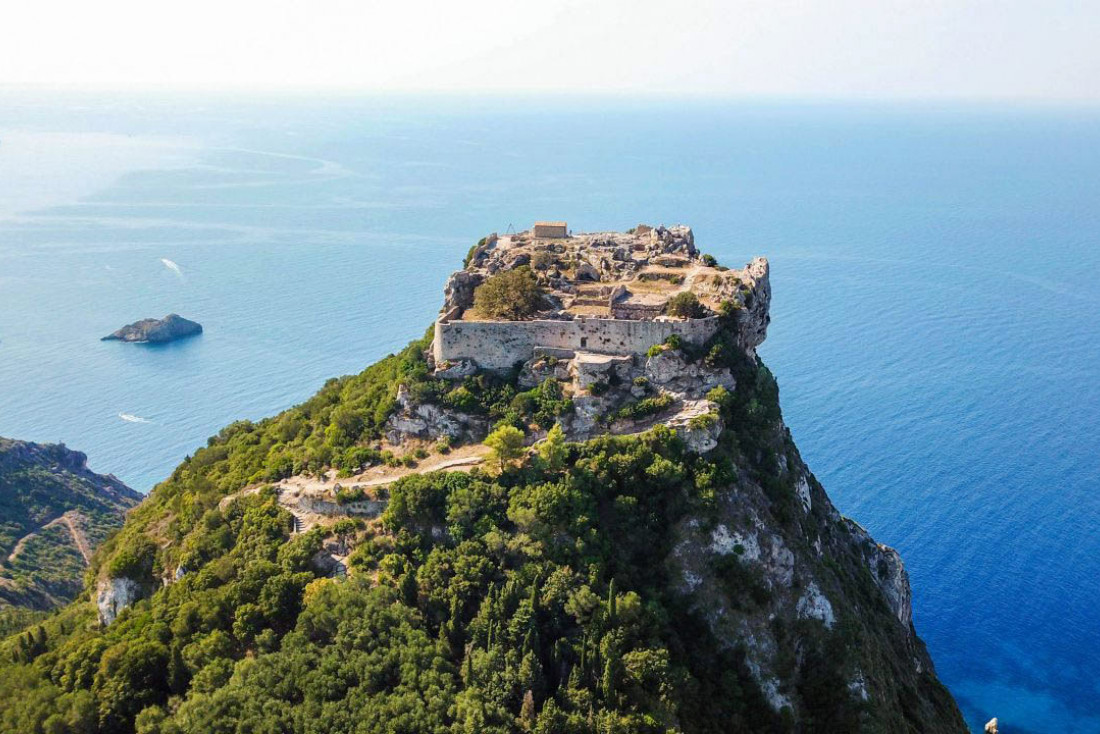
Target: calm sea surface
column 936, row 320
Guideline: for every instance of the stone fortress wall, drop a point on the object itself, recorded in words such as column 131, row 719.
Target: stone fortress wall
column 604, row 291
column 498, row 345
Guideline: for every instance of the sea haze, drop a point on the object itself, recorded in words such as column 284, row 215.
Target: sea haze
column 936, row 275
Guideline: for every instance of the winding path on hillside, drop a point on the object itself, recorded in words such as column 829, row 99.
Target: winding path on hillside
column 70, row 520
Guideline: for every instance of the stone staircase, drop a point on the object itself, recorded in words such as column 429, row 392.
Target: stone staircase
column 299, row 523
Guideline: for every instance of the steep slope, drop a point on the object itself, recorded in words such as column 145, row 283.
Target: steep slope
column 54, row 512
column 656, row 581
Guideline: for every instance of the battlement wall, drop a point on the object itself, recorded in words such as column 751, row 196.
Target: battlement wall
column 498, row 345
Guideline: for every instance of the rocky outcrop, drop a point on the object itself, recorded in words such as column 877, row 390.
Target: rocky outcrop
column 428, row 421
column 663, row 240
column 590, row 369
column 541, row 368
column 458, row 293
column 455, row 370
column 755, row 313
column 756, row 576
column 156, row 331
column 114, row 595
column 698, row 424
column 672, row 371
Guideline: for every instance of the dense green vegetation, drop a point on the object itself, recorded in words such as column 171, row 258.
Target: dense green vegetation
column 542, row 608
column 511, row 294
column 684, row 305
column 536, row 599
column 41, row 565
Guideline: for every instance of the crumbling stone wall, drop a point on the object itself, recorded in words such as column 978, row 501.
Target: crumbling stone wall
column 498, row 345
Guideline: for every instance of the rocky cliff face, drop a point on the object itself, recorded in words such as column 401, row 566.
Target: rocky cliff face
column 775, row 563
column 774, row 569
column 156, row 331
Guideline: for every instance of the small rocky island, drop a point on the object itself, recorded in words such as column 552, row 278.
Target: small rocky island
column 157, row 331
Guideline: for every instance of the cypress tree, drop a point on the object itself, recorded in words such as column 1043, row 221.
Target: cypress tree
column 608, row 682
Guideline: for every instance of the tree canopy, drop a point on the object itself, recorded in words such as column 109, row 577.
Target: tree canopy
column 506, row 444
column 512, row 295
column 685, row 305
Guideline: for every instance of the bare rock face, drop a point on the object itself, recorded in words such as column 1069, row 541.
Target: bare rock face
column 788, row 578
column 671, row 371
column 541, row 368
column 893, row 579
column 754, row 317
column 889, row 574
column 698, row 425
column 458, row 293
column 114, row 595
column 428, row 421
column 678, row 238
column 456, row 370
column 157, row 331
column 589, row 369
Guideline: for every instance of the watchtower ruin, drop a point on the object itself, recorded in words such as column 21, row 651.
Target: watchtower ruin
column 550, row 230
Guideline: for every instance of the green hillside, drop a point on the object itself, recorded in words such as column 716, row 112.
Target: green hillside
column 585, row 590
column 53, row 513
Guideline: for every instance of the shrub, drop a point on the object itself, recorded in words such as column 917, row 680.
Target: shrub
column 461, row 399
column 720, row 396
column 345, row 495
column 729, row 308
column 641, row 381
column 512, row 295
column 709, row 260
column 552, row 449
column 472, row 250
column 684, row 305
column 703, row 422
column 542, row 260
column 506, row 444
column 644, row 407
column 598, row 388
column 134, row 561
column 655, row 350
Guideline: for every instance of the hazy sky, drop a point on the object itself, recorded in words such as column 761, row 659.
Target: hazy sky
column 1035, row 49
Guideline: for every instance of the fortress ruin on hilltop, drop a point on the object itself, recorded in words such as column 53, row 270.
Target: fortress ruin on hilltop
column 602, row 293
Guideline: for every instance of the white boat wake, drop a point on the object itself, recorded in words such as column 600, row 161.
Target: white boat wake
column 172, row 266
column 131, row 418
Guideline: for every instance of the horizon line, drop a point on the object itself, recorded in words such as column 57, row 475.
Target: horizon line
column 632, row 95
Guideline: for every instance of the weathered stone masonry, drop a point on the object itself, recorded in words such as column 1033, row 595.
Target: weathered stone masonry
column 498, row 345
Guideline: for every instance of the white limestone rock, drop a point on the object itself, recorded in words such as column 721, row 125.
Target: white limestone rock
column 814, row 605
column 115, row 595
column 753, row 319
column 536, row 370
column 588, row 369
column 802, row 487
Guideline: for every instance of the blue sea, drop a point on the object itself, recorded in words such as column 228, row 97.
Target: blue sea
column 936, row 317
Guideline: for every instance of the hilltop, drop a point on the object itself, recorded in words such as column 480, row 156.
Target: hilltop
column 637, row 545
